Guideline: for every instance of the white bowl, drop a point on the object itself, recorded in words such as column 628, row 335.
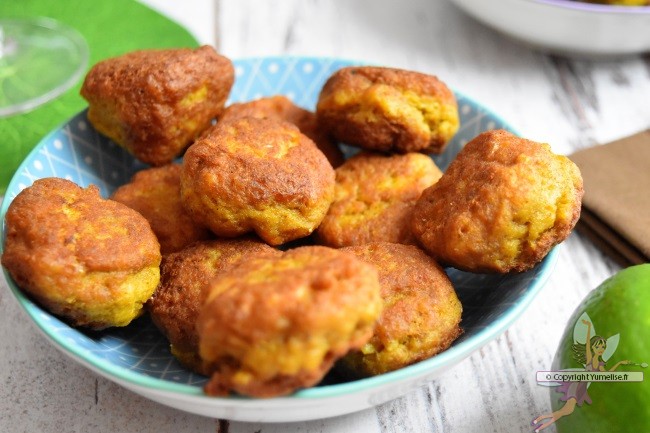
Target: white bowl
column 566, row 26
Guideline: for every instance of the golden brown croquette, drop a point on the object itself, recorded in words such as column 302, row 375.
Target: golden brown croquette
column 92, row 261
column 388, row 109
column 501, row 206
column 156, row 102
column 257, row 175
column 273, row 325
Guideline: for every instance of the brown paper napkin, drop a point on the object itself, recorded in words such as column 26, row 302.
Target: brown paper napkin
column 616, row 204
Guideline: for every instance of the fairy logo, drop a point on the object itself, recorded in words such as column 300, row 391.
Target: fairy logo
column 590, row 353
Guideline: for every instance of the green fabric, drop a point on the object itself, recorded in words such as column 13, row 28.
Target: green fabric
column 111, row 28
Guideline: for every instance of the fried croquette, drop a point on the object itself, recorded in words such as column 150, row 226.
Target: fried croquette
column 374, row 197
column 259, row 175
column 421, row 314
column 273, row 325
column 156, row 194
column 280, row 107
column 501, row 206
column 179, row 297
column 388, row 109
column 94, row 262
column 155, row 103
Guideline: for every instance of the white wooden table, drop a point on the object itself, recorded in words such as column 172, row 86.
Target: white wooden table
column 568, row 103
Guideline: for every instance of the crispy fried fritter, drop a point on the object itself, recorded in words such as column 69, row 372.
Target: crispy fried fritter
column 156, row 194
column 92, row 261
column 421, row 312
column 501, row 206
column 178, row 299
column 276, row 324
column 156, row 102
column 388, row 109
column 281, row 107
column 374, row 197
column 259, row 175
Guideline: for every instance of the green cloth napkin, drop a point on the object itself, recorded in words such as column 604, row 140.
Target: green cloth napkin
column 111, row 28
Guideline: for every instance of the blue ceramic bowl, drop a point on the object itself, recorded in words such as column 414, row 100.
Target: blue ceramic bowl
column 138, row 356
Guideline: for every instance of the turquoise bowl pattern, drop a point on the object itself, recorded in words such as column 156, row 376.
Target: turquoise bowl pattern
column 138, row 354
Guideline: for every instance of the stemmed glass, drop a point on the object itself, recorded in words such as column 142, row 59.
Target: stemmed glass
column 40, row 58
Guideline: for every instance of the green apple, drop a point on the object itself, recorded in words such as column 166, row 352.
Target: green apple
column 620, row 305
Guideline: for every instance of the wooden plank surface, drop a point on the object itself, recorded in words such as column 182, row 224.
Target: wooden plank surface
column 570, row 103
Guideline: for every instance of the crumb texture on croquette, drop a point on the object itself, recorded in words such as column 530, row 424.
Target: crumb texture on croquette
column 374, row 197
column 92, row 261
column 276, row 324
column 421, row 314
column 176, row 303
column 388, row 109
column 156, row 102
column 156, row 194
column 502, row 204
column 259, row 175
column 282, row 108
